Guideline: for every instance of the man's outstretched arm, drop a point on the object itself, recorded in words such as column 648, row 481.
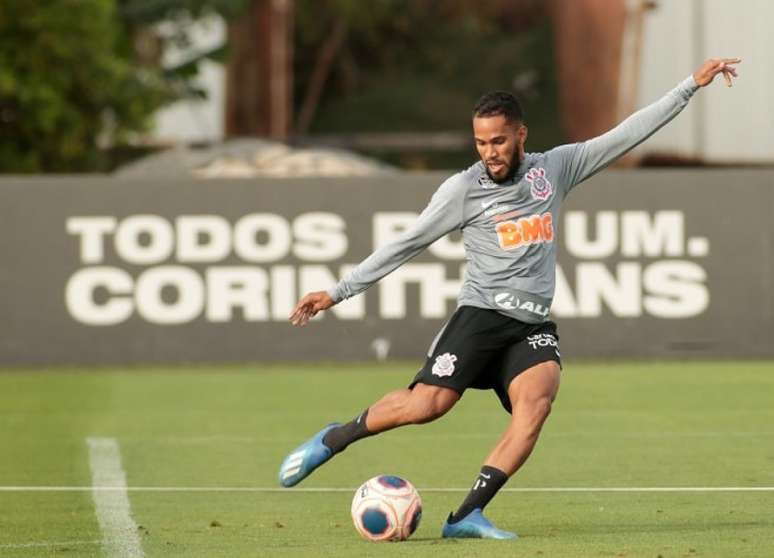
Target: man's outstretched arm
column 582, row 160
column 442, row 215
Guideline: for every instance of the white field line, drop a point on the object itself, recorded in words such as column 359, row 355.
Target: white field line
column 582, row 489
column 49, row 544
column 109, row 491
column 464, row 435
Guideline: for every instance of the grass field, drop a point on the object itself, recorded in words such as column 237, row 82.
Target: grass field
column 218, row 435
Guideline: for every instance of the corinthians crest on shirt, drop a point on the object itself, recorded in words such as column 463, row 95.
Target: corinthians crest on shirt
column 540, row 188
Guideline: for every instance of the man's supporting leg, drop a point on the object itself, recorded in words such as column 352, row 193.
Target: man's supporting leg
column 531, row 393
column 488, row 482
column 422, row 404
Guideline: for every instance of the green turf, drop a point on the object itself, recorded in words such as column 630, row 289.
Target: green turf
column 613, row 425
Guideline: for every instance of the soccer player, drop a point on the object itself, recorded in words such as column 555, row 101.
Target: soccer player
column 499, row 337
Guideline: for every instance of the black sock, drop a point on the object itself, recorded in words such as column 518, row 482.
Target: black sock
column 489, row 481
column 340, row 437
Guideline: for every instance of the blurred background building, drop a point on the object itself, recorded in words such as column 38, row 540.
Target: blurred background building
column 613, row 57
column 393, row 80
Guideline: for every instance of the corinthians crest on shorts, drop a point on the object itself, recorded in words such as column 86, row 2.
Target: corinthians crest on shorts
column 541, row 188
column 444, row 365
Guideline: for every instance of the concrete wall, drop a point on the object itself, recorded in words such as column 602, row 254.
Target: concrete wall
column 652, row 264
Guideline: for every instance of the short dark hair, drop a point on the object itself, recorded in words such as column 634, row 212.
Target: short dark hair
column 496, row 103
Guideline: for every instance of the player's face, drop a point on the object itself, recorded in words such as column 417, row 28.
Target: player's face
column 500, row 144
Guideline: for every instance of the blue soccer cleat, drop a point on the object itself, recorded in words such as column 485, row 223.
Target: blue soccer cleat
column 474, row 526
column 300, row 463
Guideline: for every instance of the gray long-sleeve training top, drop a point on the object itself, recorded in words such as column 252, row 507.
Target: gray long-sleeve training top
column 509, row 229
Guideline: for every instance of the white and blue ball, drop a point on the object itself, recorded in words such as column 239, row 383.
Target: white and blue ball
column 386, row 508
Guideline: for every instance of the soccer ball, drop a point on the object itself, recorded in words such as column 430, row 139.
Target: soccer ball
column 386, row 508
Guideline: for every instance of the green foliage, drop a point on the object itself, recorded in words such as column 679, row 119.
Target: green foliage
column 65, row 77
column 151, row 11
column 137, row 15
column 79, row 75
column 420, row 65
column 72, row 76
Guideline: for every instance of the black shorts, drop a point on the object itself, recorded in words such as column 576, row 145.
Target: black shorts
column 483, row 349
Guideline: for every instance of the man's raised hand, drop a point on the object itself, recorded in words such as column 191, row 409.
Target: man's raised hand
column 715, row 66
column 308, row 307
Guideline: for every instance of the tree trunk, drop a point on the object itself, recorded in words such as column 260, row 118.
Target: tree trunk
column 588, row 36
column 259, row 82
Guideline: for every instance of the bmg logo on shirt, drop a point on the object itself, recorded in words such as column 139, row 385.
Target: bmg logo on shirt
column 527, row 230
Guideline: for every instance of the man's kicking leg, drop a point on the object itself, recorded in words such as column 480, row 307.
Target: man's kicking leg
column 423, row 403
column 531, row 394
